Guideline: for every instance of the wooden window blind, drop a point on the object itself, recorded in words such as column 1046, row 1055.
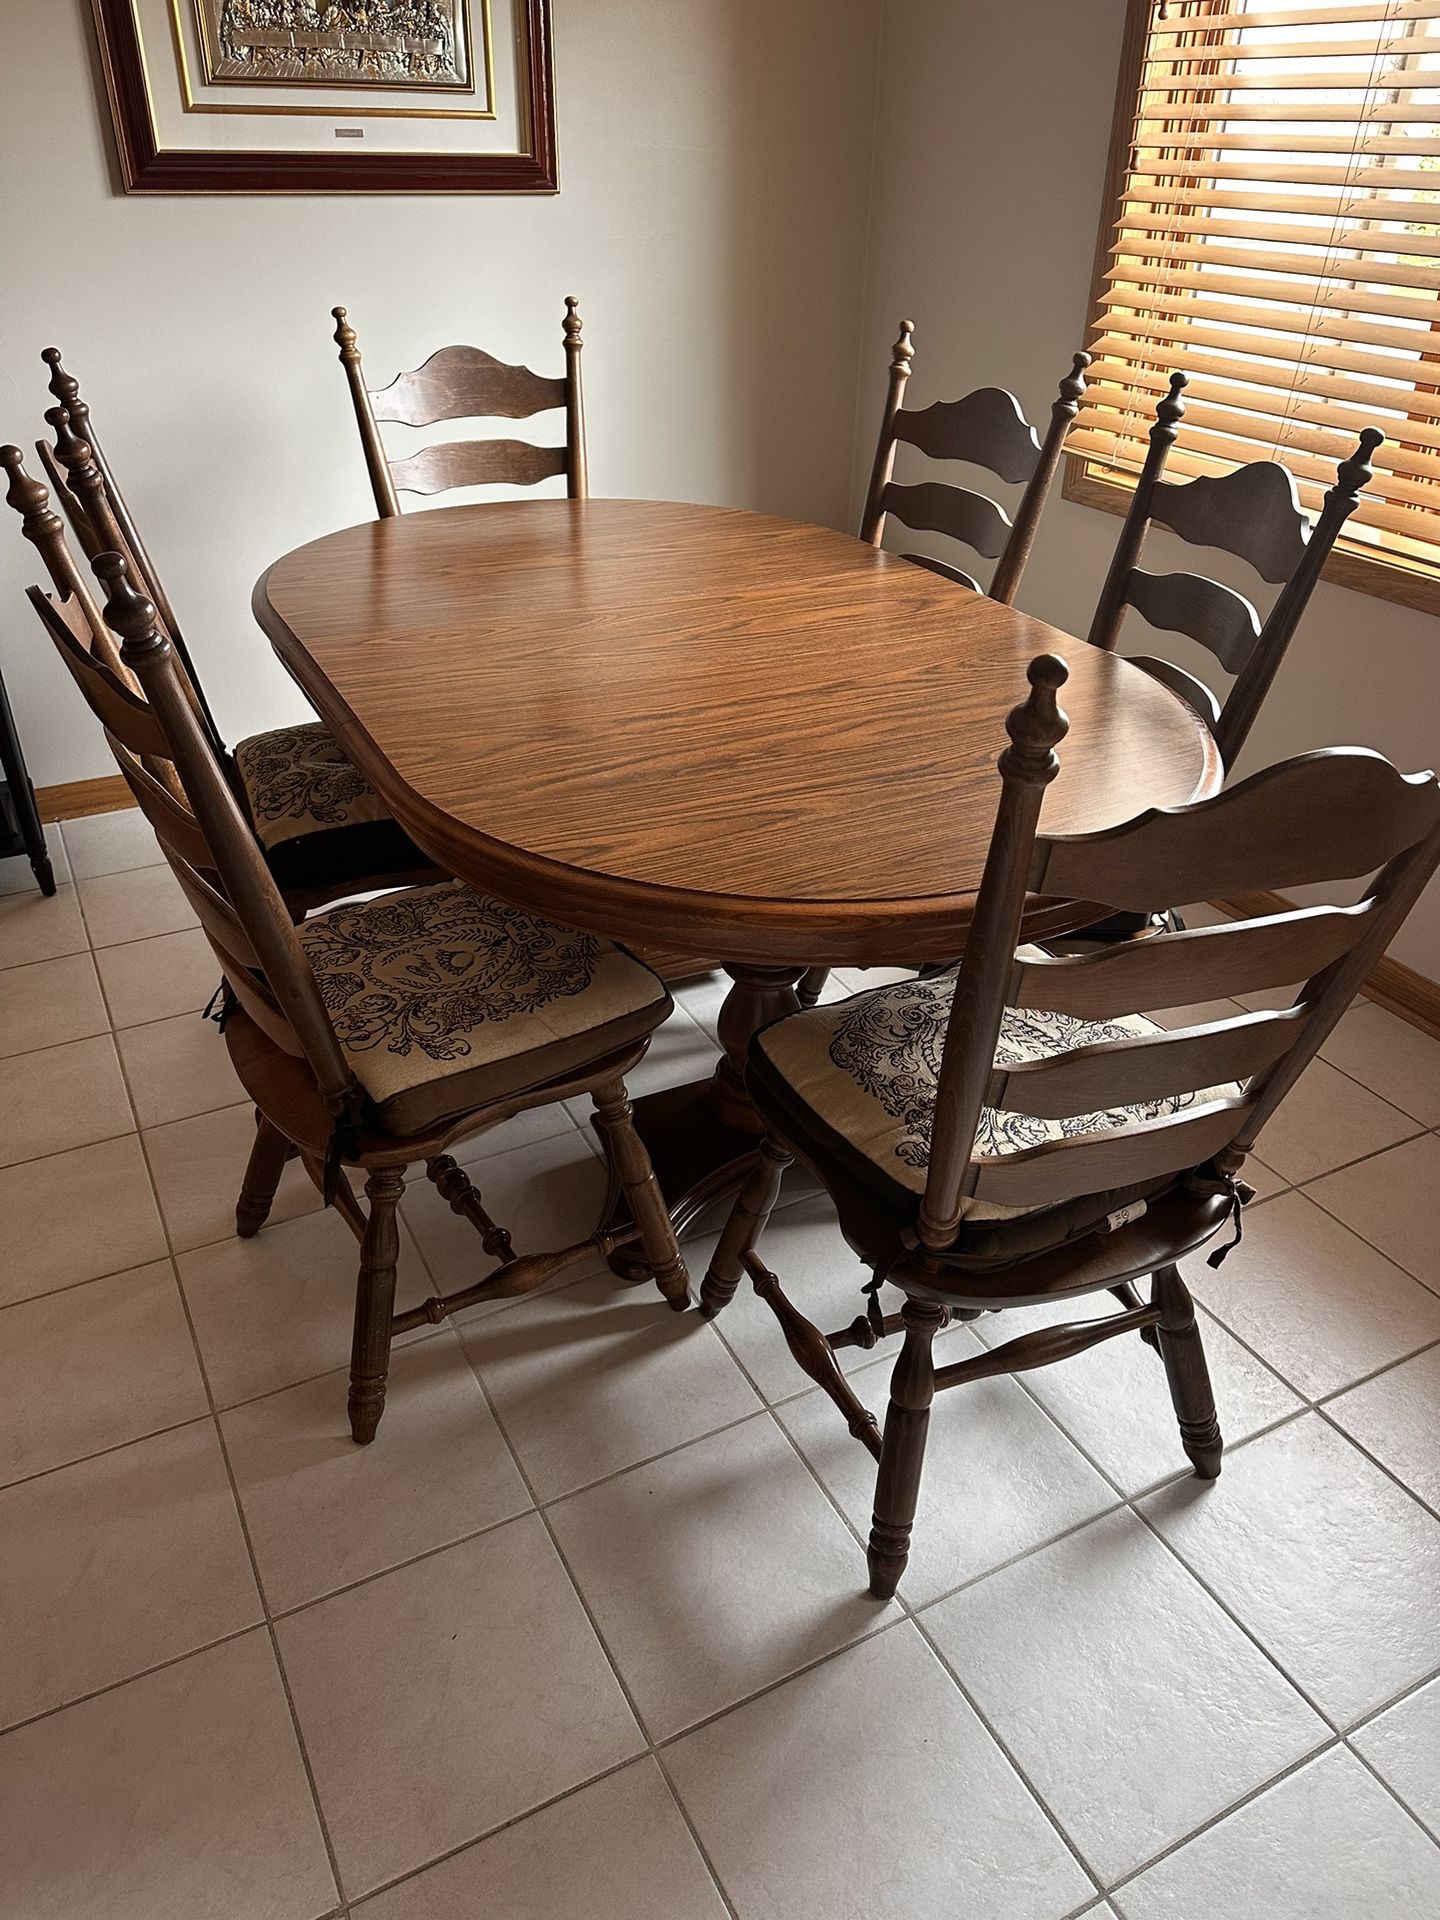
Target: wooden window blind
column 1274, row 231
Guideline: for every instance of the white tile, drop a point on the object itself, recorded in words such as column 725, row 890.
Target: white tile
column 117, row 1564
column 178, row 1795
column 868, row 1787
column 34, row 927
column 547, row 1194
column 111, row 843
column 521, row 1130
column 93, row 1367
column 449, row 1696
column 177, row 1067
column 680, row 1052
column 133, row 906
column 1403, row 1746
column 1114, row 1402
column 1395, row 1417
column 1322, row 1558
column 999, row 1477
column 198, row 1165
column 1318, row 1304
column 323, row 1512
column 713, row 1572
column 1138, row 1679
column 1390, row 1200
column 63, row 1097
column 702, row 1000
column 617, row 1850
column 18, row 876
column 1327, row 1120
column 158, row 978
column 599, row 1375
column 1327, row 1842
column 279, row 1309
column 76, row 1216
column 1389, row 1056
column 50, row 1002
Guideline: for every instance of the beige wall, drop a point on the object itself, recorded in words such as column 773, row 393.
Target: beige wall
column 715, row 162
column 991, row 134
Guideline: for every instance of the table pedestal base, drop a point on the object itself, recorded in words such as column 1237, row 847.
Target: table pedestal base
column 703, row 1137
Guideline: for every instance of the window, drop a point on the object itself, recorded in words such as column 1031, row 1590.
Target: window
column 1273, row 229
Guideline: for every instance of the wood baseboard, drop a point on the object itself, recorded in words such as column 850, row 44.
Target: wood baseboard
column 1392, row 985
column 78, row 797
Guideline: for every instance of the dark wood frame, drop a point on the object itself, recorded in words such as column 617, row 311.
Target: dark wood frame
column 148, row 169
column 1388, row 576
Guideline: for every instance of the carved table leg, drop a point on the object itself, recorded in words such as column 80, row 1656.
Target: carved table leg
column 702, row 1137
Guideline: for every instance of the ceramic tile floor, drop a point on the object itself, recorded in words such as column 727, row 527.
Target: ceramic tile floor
column 585, row 1632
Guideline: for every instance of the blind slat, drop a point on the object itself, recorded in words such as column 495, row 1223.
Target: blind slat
column 1395, row 306
column 1341, row 238
column 1376, row 13
column 1118, row 351
column 1322, row 335
column 1358, row 205
column 1139, row 247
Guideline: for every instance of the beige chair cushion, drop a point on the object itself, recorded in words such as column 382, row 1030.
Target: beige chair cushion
column 445, row 1000
column 868, row 1068
column 297, row 781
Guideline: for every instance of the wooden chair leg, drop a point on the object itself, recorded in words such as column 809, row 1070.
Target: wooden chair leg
column 374, row 1303
column 262, row 1176
column 625, row 1151
column 902, row 1449
column 744, row 1227
column 811, row 986
column 1189, row 1377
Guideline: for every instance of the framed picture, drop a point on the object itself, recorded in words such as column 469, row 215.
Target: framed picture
column 331, row 96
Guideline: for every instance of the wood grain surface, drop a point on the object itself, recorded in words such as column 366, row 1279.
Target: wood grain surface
column 702, row 725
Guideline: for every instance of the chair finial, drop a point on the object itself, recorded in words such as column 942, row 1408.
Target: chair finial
column 128, row 613
column 1038, row 725
column 572, row 325
column 903, row 352
column 1169, row 413
column 1072, row 387
column 29, row 498
column 66, row 389
column 345, row 335
column 1356, row 473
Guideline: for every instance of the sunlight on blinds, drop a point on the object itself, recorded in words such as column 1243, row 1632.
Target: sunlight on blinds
column 1278, row 238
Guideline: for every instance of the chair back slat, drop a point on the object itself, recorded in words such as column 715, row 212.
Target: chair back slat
column 1215, row 615
column 1185, row 969
column 464, row 383
column 1327, row 816
column 933, row 507
column 1253, row 513
column 946, row 572
column 1134, row 1106
column 118, row 708
column 1098, row 1162
column 985, row 429
column 1135, row 1072
column 477, row 463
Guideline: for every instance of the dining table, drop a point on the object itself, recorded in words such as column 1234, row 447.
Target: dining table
column 747, row 739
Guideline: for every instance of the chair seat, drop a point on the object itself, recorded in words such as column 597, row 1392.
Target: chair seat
column 445, row 1000
column 866, row 1070
column 320, row 822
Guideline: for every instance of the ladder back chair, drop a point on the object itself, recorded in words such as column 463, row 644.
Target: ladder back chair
column 985, row 429
column 464, row 383
column 1254, row 514
column 377, row 1034
column 1016, row 1132
column 324, row 829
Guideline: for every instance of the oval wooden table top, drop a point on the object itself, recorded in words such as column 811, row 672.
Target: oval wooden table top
column 699, row 727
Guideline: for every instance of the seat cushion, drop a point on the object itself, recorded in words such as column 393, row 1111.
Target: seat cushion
column 445, row 1000
column 321, row 824
column 867, row 1070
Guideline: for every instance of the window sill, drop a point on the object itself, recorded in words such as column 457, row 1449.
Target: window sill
column 1387, row 577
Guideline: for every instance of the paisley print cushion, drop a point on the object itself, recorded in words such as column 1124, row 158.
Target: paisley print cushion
column 868, row 1068
column 297, row 781
column 444, row 999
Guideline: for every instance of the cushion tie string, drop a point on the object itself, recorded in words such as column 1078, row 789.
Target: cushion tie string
column 873, row 1311
column 1240, row 1197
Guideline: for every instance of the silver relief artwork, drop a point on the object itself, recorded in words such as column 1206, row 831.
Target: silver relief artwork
column 337, row 43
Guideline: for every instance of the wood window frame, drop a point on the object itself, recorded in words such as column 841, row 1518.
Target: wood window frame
column 1387, row 576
